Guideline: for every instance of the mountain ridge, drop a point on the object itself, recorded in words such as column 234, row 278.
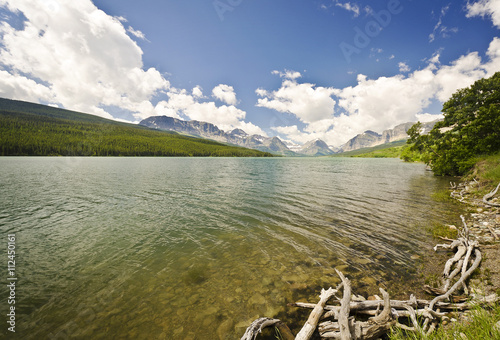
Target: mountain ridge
column 208, row 130
column 370, row 138
column 275, row 145
column 30, row 129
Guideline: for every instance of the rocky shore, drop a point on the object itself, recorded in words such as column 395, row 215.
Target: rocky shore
column 484, row 224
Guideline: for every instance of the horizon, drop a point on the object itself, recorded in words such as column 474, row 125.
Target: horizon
column 326, row 70
column 290, row 145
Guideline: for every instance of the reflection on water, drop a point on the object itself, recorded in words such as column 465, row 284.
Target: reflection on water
column 190, row 248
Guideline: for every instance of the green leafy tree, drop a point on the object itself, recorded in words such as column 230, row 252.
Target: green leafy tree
column 471, row 127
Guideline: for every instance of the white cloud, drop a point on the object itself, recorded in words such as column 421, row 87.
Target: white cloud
column 403, row 67
column 349, row 7
column 377, row 104
column 249, row 128
column 493, row 54
column 440, row 29
column 306, row 101
column 427, row 117
column 137, row 33
column 197, row 92
column 73, row 54
column 182, row 104
column 288, row 74
column 225, row 93
column 485, row 8
column 294, row 134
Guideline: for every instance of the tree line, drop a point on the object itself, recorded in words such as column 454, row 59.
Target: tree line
column 28, row 134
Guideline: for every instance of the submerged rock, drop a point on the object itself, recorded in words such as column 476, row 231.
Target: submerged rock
column 257, row 299
column 224, row 329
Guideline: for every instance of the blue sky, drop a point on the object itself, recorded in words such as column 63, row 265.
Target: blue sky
column 298, row 69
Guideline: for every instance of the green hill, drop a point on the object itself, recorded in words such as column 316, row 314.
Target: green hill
column 388, row 150
column 28, row 129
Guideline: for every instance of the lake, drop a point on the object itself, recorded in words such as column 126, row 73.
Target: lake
column 197, row 248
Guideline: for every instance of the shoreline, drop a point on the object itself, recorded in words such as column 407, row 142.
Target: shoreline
column 481, row 228
column 484, row 225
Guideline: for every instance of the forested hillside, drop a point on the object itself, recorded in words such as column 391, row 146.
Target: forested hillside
column 38, row 130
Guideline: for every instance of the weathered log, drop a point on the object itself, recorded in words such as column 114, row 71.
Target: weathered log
column 451, row 246
column 368, row 330
column 490, row 195
column 446, row 239
column 470, row 248
column 464, row 232
column 459, row 282
column 328, row 326
column 413, row 318
column 257, row 326
column 345, row 333
column 495, row 236
column 462, row 249
column 454, row 273
column 398, row 304
column 310, row 325
column 433, row 291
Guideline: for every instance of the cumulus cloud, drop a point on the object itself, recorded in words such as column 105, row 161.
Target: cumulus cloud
column 225, row 93
column 484, row 8
column 306, row 101
column 403, row 67
column 197, row 92
column 294, row 134
column 72, row 53
column 182, row 104
column 288, row 74
column 375, row 104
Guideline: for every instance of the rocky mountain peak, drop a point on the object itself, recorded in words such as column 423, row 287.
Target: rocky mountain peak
column 316, row 147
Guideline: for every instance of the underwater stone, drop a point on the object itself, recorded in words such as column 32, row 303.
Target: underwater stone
column 224, row 328
column 257, row 299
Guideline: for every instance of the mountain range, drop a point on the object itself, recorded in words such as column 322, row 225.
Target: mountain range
column 275, row 145
column 370, row 138
column 29, row 129
column 208, row 130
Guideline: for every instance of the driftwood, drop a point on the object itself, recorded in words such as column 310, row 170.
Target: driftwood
column 490, row 195
column 258, row 325
column 307, row 331
column 424, row 316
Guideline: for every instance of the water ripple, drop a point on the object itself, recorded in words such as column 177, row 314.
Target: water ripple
column 149, row 247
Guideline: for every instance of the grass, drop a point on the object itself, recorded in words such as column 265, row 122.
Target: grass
column 439, row 230
column 442, row 196
column 479, row 325
column 486, row 172
column 488, row 168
